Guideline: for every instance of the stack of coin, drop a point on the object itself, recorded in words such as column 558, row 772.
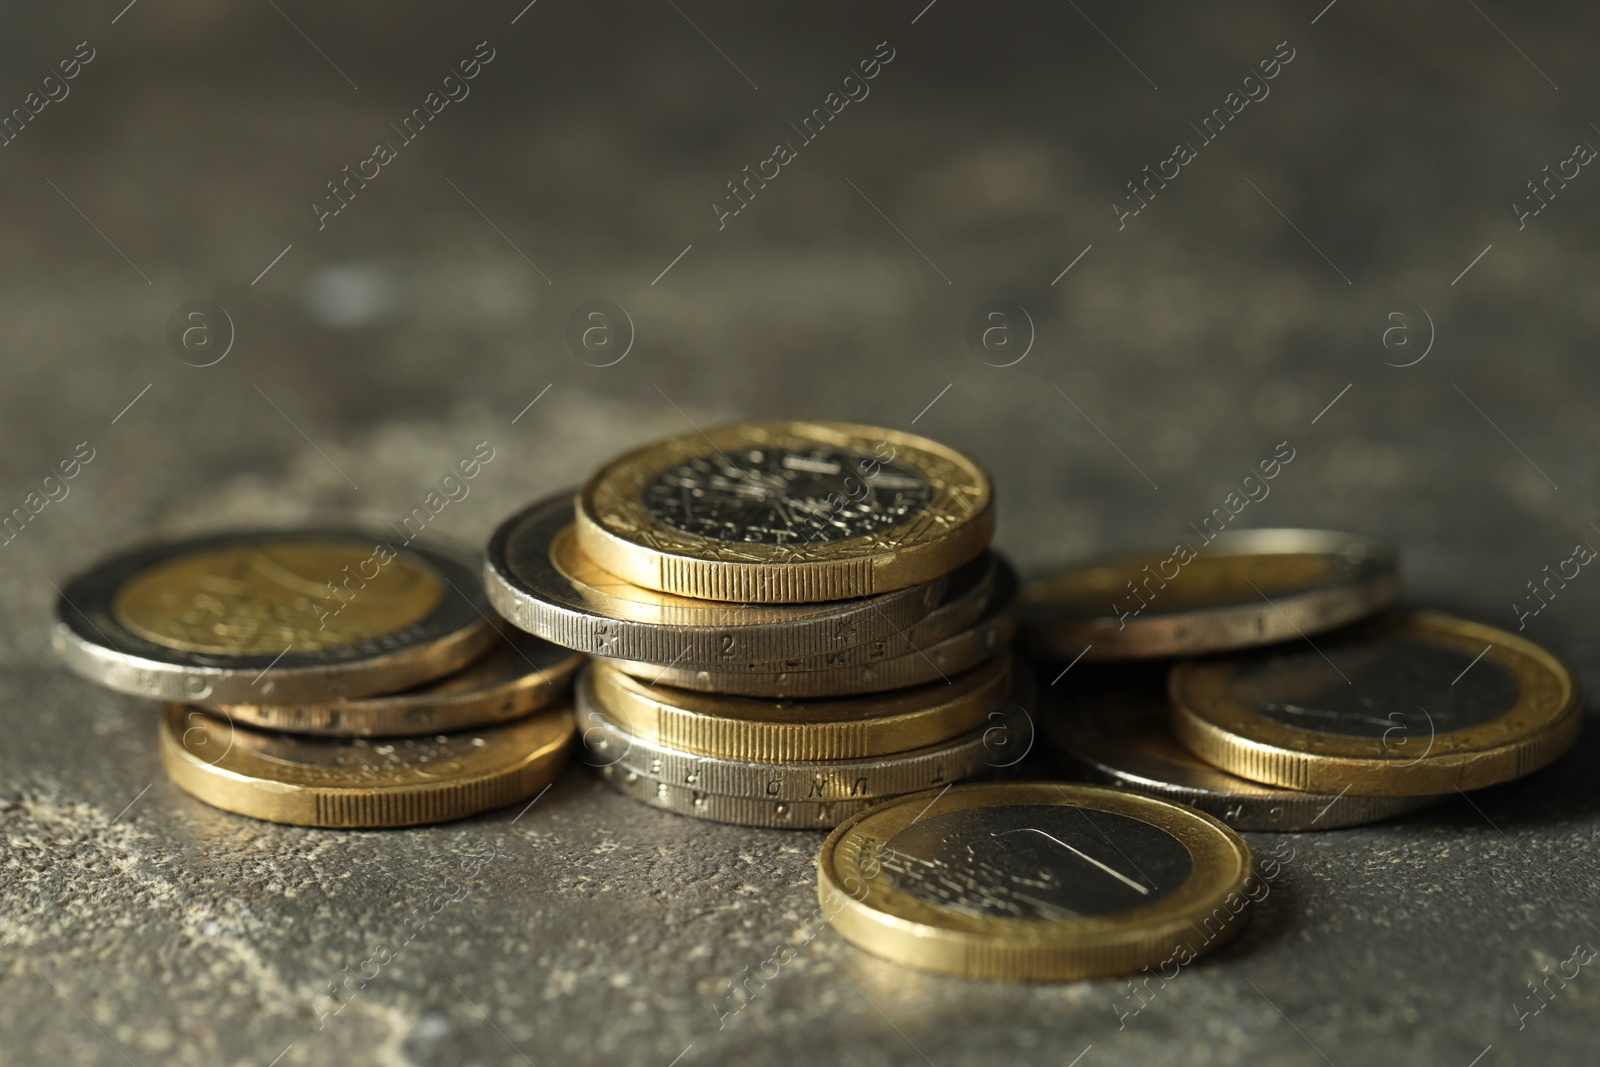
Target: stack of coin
column 1325, row 710
column 324, row 678
column 790, row 620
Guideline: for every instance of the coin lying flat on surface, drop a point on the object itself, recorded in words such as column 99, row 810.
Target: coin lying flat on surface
column 1407, row 705
column 786, row 512
column 274, row 617
column 736, row 810
column 541, row 581
column 1112, row 728
column 521, row 675
column 741, row 728
column 356, row 782
column 1035, row 881
column 1238, row 589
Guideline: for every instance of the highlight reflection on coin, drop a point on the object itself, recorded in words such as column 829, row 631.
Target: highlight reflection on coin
column 1111, row 727
column 541, row 581
column 355, row 782
column 1037, row 881
column 1239, row 589
column 1408, row 705
column 786, row 512
column 275, row 617
column 522, row 674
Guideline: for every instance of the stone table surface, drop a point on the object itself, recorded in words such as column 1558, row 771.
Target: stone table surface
column 589, row 158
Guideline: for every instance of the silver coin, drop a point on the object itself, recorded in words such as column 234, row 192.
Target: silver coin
column 539, row 580
column 993, row 745
column 211, row 635
column 740, row 811
column 1235, row 589
column 1111, row 727
column 927, row 663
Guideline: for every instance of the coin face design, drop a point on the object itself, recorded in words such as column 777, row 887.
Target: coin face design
column 1035, row 861
column 269, row 596
column 345, row 761
column 1377, row 689
column 780, row 496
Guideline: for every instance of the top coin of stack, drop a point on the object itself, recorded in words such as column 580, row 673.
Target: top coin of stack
column 289, row 649
column 757, row 582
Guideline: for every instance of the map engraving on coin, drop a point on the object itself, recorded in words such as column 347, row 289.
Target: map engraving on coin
column 779, row 496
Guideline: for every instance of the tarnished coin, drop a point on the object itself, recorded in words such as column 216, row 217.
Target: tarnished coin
column 277, row 617
column 607, row 745
column 541, row 581
column 740, row 728
column 933, row 662
column 356, row 782
column 1234, row 590
column 786, row 512
column 1407, row 705
column 740, row 811
column 1035, row 881
column 521, row 675
column 1112, row 728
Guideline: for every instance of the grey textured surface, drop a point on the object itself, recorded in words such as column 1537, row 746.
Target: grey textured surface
column 139, row 926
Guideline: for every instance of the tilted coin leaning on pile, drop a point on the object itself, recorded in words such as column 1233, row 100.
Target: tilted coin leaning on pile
column 801, row 625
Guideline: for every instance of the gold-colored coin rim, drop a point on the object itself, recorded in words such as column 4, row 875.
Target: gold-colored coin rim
column 1213, row 724
column 882, row 919
column 519, row 759
column 616, row 530
column 744, row 728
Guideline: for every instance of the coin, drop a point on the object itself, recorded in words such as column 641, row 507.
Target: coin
column 1237, row 589
column 608, row 745
column 273, row 617
column 739, row 811
column 939, row 661
column 1035, row 881
column 521, row 675
column 1113, row 729
column 542, row 582
column 740, row 728
column 786, row 512
column 355, row 782
column 1407, row 705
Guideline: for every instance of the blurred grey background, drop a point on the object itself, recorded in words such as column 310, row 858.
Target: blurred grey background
column 1171, row 351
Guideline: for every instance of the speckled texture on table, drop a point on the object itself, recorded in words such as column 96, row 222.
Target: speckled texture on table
column 139, row 926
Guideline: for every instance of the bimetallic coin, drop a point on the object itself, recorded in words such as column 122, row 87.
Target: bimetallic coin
column 1035, row 881
column 1234, row 590
column 786, row 512
column 542, row 582
column 608, row 745
column 273, row 618
column 936, row 662
column 740, row 728
column 355, row 782
column 1113, row 729
column 521, row 675
column 1408, row 705
column 740, row 811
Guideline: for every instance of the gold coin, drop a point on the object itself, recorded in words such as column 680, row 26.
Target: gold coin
column 786, row 512
column 1035, row 881
column 1407, row 705
column 1236, row 590
column 354, row 782
column 522, row 675
column 740, row 728
column 270, row 596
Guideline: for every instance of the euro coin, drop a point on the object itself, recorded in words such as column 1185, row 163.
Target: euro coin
column 786, row 512
column 1113, row 729
column 741, row 728
column 1234, row 590
column 1035, row 881
column 738, row 811
column 521, row 675
column 540, row 580
column 360, row 783
column 1408, row 705
column 281, row 617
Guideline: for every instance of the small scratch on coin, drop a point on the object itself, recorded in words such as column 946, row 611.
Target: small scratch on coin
column 1118, row 875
